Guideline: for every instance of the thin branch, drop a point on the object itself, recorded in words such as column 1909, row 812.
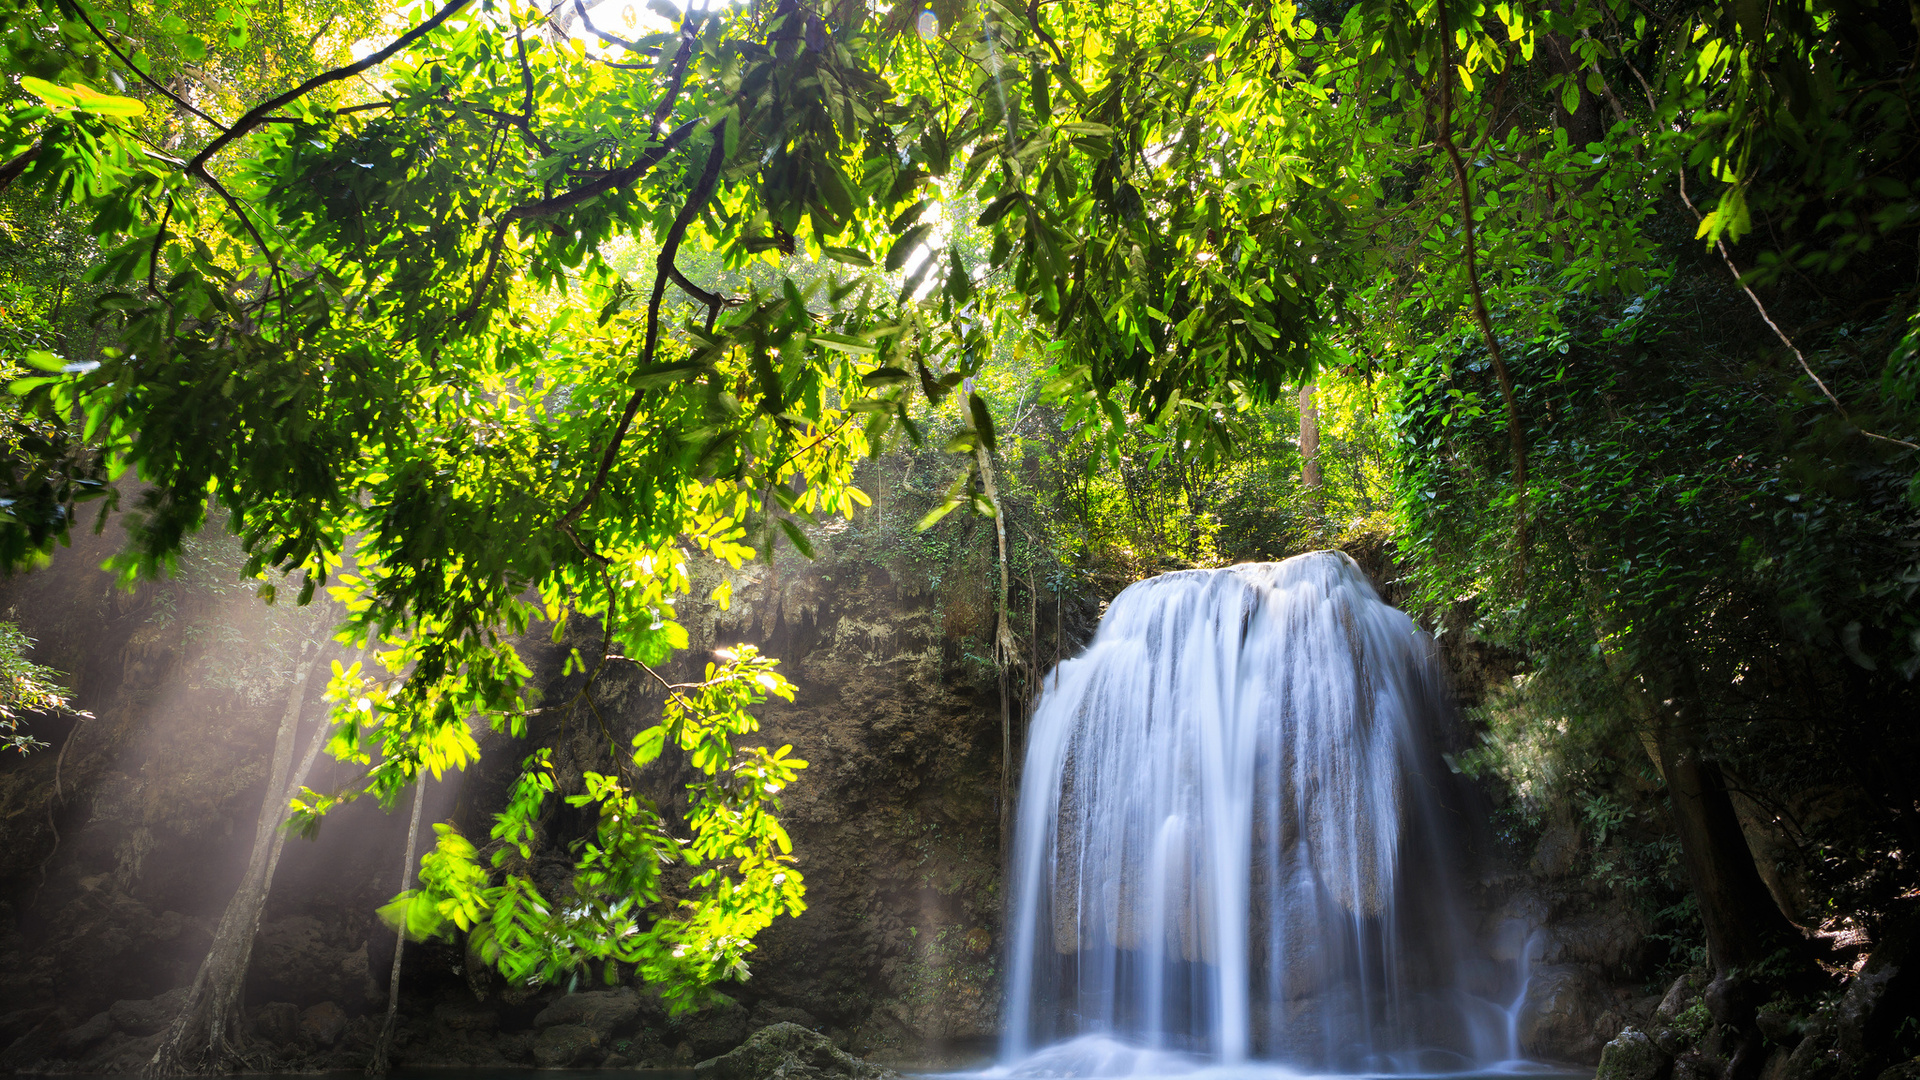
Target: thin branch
column 702, row 191
column 1726, row 256
column 611, row 39
column 566, row 200
column 1516, row 436
column 256, row 115
column 80, row 12
column 14, row 166
column 159, row 238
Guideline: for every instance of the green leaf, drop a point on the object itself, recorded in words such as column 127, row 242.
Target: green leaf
column 982, row 419
column 851, row 256
column 886, row 376
column 842, row 343
column 656, row 376
column 82, row 99
column 800, row 541
column 648, row 744
column 903, row 248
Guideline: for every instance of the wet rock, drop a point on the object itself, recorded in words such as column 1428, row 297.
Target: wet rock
column 1559, row 1017
column 1558, row 852
column 788, row 1052
column 1877, row 999
column 277, row 1022
column 123, row 1054
column 466, row 1016
column 1632, row 1056
column 454, row 1050
column 565, row 1045
column 1906, row 1070
column 765, row 1014
column 79, row 1039
column 517, row 1047
column 601, row 1011
column 146, row 1016
column 716, row 1030
column 1778, row 1024
column 37, row 1045
column 324, row 1023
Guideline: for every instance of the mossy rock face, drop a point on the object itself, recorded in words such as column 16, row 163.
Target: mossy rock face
column 789, row 1052
column 1633, row 1056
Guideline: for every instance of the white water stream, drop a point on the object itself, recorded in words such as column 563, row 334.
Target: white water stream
column 1235, row 843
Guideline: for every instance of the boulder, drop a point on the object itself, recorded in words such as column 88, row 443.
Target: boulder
column 789, row 1052
column 716, row 1030
column 765, row 1014
column 1906, row 1070
column 561, row 1046
column 148, row 1015
column 601, row 1011
column 1558, row 1019
column 466, row 1016
column 1877, row 1000
column 277, row 1022
column 78, row 1039
column 122, row 1055
column 1632, row 1056
column 324, row 1023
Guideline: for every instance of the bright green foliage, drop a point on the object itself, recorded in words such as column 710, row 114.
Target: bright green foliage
column 25, row 687
column 743, row 858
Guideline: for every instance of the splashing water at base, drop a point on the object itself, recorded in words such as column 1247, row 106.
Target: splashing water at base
column 1233, row 843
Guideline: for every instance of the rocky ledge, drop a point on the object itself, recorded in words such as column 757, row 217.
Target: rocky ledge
column 789, row 1052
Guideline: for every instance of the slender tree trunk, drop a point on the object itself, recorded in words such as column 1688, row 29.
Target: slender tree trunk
column 1747, row 934
column 1005, row 648
column 1310, row 453
column 201, row 1033
column 383, row 1046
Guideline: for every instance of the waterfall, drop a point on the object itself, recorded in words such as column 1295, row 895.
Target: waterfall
column 1231, row 841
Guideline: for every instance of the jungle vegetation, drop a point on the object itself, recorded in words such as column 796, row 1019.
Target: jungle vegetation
column 479, row 316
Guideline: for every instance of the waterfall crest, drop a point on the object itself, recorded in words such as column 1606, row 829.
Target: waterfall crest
column 1230, row 839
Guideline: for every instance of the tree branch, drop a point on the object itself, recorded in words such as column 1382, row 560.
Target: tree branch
column 81, row 14
column 567, row 200
column 1516, row 436
column 611, row 39
column 1726, row 256
column 260, row 112
column 663, row 269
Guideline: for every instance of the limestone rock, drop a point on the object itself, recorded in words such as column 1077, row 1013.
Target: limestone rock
column 324, row 1023
column 563, row 1045
column 1632, row 1056
column 122, row 1055
column 601, row 1011
column 146, row 1016
column 789, row 1052
column 80, row 1038
column 1558, row 1020
column 463, row 1016
column 716, row 1030
column 278, row 1022
column 1906, row 1070
column 1882, row 995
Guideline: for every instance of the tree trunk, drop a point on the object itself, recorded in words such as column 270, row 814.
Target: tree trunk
column 1748, row 936
column 1005, row 647
column 1310, row 476
column 384, row 1045
column 200, row 1035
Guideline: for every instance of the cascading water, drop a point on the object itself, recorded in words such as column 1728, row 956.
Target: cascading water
column 1231, row 844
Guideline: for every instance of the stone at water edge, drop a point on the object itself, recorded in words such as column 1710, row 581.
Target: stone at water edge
column 789, row 1052
column 1632, row 1056
column 324, row 1023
